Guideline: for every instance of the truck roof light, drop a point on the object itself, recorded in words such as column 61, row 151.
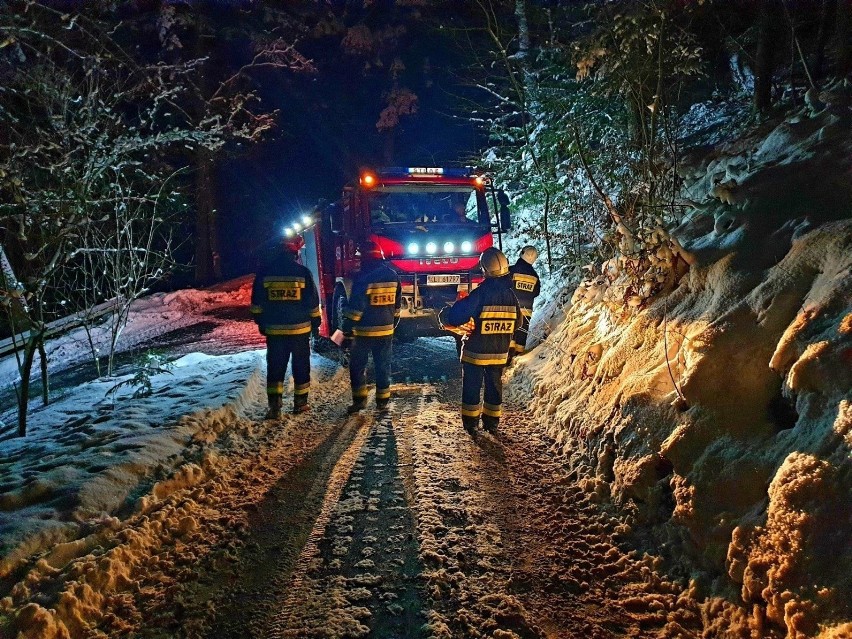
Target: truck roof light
column 307, row 220
column 466, row 246
column 423, row 171
column 368, row 180
column 297, row 227
column 288, row 232
column 479, row 180
column 413, row 248
column 449, row 247
column 431, row 247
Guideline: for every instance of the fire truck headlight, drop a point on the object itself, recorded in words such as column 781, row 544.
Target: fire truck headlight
column 413, row 248
column 431, row 247
column 466, row 246
column 449, row 247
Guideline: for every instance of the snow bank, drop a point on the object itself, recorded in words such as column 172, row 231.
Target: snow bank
column 91, row 453
column 719, row 415
column 97, row 454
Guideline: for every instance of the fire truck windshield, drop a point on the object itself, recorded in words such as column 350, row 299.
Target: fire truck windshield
column 431, row 206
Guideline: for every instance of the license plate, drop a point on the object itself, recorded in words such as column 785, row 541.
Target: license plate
column 440, row 280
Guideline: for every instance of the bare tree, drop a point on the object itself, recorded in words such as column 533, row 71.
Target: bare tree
column 116, row 262
column 90, row 140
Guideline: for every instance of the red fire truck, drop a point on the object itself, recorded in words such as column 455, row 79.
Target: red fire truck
column 431, row 223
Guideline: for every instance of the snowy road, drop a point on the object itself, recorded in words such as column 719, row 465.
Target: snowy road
column 401, row 525
column 381, row 525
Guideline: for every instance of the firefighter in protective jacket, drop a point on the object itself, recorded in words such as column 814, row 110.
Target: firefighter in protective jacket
column 285, row 305
column 527, row 286
column 370, row 319
column 495, row 313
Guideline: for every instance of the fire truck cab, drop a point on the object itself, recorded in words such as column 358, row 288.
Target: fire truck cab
column 431, row 224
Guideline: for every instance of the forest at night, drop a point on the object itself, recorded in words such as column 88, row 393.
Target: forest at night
column 675, row 423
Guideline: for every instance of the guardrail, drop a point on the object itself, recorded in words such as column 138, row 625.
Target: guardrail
column 57, row 327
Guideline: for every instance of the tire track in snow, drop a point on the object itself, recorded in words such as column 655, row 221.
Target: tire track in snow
column 283, row 525
column 357, row 575
column 466, row 563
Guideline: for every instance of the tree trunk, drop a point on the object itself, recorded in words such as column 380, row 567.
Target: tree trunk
column 208, row 267
column 841, row 35
column 523, row 30
column 827, row 17
column 24, row 392
column 767, row 45
column 523, row 57
column 45, row 381
column 547, row 230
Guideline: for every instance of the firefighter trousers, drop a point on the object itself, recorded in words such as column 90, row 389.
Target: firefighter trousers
column 382, row 349
column 279, row 349
column 473, row 378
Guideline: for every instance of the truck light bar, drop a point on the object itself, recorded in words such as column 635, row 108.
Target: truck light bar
column 297, row 226
column 425, row 171
column 431, row 248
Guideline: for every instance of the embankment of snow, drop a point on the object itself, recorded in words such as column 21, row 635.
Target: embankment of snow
column 90, row 454
column 718, row 415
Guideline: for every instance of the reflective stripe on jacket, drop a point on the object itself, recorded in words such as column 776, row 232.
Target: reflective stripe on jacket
column 525, row 284
column 374, row 304
column 284, row 298
column 495, row 313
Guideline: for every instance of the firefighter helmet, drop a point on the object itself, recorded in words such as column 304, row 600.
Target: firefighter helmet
column 370, row 250
column 493, row 263
column 529, row 254
column 294, row 243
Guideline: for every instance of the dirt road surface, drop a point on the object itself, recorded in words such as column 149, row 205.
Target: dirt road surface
column 399, row 524
column 385, row 525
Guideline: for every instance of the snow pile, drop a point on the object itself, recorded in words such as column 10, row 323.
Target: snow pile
column 89, row 454
column 719, row 415
column 97, row 454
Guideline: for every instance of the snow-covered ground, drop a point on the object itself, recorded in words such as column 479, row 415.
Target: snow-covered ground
column 95, row 447
column 97, row 455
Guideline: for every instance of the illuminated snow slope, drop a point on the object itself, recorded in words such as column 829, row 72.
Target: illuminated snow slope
column 745, row 483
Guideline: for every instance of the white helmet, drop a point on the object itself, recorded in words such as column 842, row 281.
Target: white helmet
column 529, row 254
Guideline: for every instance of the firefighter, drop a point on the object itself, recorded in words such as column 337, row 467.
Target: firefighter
column 370, row 319
column 526, row 285
column 495, row 313
column 285, row 305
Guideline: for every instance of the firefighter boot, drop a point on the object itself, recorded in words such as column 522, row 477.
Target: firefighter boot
column 490, row 424
column 300, row 404
column 274, row 411
column 469, row 424
column 357, row 405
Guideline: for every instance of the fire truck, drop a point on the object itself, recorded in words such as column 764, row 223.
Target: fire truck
column 431, row 224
